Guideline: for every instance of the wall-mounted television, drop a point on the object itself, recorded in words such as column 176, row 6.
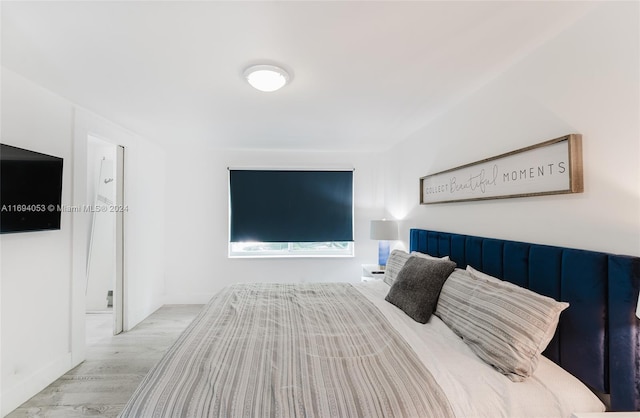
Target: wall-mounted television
column 30, row 190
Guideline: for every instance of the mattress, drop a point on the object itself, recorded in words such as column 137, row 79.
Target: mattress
column 474, row 388
column 336, row 350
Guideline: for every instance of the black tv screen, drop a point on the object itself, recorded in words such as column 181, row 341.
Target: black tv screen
column 30, row 190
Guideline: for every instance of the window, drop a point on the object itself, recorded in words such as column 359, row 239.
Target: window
column 290, row 213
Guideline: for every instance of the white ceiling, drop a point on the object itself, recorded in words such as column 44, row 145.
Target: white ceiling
column 365, row 74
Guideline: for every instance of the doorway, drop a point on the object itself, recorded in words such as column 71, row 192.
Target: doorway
column 105, row 239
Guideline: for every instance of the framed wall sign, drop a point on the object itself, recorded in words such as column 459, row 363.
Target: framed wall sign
column 551, row 167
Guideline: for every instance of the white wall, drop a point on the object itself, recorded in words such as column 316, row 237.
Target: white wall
column 145, row 251
column 197, row 222
column 36, row 266
column 43, row 274
column 584, row 81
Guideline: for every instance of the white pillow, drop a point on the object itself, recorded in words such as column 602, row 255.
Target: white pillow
column 429, row 257
column 396, row 261
column 506, row 325
column 551, row 331
column 482, row 276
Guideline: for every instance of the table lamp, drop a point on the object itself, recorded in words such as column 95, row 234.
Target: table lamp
column 384, row 231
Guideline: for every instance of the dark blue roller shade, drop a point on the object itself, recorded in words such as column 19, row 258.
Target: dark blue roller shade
column 291, row 206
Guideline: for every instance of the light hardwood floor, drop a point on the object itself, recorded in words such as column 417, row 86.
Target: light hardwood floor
column 115, row 365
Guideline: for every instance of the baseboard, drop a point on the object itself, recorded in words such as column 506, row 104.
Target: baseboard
column 13, row 397
column 188, row 298
column 135, row 316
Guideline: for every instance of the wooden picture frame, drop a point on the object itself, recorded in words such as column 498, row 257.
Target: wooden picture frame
column 551, row 167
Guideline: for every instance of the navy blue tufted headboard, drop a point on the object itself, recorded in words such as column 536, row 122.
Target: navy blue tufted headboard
column 598, row 337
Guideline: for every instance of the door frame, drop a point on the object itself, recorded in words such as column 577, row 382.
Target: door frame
column 88, row 124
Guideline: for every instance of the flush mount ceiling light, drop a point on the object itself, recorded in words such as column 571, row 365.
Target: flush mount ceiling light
column 266, row 77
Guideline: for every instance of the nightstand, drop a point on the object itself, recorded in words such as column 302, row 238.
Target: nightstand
column 371, row 272
column 605, row 415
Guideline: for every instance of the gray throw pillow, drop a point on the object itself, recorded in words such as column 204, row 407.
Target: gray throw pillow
column 418, row 285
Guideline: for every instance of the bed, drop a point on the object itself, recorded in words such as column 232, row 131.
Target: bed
column 341, row 350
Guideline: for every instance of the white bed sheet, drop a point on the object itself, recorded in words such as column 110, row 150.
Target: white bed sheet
column 475, row 388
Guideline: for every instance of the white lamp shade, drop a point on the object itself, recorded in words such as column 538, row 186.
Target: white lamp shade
column 384, row 230
column 638, row 308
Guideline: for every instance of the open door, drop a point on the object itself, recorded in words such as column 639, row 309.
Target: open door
column 105, row 261
column 118, row 311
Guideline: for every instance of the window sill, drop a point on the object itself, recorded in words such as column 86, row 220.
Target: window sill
column 307, row 255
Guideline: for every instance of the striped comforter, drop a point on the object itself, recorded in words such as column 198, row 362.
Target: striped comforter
column 282, row 350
